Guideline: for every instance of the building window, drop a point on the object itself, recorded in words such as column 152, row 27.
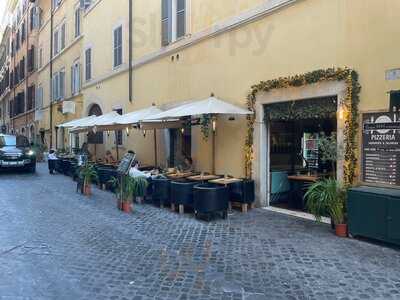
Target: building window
column 39, row 97
column 77, row 22
column 35, row 17
column 31, row 97
column 62, row 37
column 40, row 57
column 173, row 21
column 117, row 46
column 22, row 68
column 56, row 44
column 56, row 3
column 58, row 85
column 23, row 33
column 88, row 64
column 75, row 78
column 31, row 59
column 84, row 4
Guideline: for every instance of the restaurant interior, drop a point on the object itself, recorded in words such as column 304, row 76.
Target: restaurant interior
column 296, row 131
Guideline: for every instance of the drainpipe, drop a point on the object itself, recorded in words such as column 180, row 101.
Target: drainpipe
column 130, row 52
column 51, row 75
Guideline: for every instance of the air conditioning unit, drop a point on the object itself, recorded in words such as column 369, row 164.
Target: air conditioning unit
column 68, row 107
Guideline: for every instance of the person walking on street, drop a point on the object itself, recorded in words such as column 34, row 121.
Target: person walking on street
column 52, row 158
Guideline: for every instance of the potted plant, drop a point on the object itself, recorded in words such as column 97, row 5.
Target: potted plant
column 327, row 197
column 140, row 187
column 124, row 189
column 88, row 174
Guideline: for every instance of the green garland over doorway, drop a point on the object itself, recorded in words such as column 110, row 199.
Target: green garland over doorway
column 350, row 112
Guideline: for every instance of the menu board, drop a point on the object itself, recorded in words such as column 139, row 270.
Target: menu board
column 126, row 163
column 381, row 148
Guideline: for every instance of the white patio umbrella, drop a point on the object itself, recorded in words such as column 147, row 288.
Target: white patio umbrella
column 210, row 106
column 77, row 122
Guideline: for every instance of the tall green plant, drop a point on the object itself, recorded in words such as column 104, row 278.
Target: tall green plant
column 140, row 186
column 126, row 187
column 88, row 173
column 329, row 149
column 326, row 197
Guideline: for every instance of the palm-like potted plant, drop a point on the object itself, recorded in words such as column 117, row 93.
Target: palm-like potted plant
column 140, row 186
column 124, row 189
column 327, row 197
column 88, row 174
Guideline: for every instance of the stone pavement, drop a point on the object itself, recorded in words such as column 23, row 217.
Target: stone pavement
column 56, row 244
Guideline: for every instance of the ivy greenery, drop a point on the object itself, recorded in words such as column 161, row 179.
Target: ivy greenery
column 350, row 109
column 205, row 126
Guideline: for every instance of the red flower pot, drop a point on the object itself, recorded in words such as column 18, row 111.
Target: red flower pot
column 126, row 207
column 87, row 190
column 341, row 230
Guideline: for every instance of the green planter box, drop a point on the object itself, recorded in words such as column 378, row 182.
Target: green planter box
column 374, row 213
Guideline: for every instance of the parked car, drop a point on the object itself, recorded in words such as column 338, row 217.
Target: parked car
column 16, row 153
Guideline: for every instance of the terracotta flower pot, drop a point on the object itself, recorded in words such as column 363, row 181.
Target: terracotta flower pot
column 126, row 207
column 341, row 230
column 87, row 190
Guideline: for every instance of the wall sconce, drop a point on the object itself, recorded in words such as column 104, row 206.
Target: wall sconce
column 341, row 113
column 214, row 125
column 183, row 130
column 144, row 133
column 127, row 131
column 108, row 132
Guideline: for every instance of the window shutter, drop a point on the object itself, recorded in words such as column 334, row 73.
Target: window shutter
column 72, row 81
column 88, row 64
column 62, row 84
column 55, row 41
column 79, row 77
column 166, row 22
column 181, row 18
column 62, row 36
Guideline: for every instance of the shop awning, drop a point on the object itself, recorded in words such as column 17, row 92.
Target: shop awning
column 209, row 106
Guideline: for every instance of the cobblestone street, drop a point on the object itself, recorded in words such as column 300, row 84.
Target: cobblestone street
column 56, row 244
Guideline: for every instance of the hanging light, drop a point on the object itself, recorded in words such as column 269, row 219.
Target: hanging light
column 127, row 131
column 183, row 130
column 108, row 132
column 144, row 133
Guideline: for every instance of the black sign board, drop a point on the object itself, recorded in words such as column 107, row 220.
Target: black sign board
column 126, row 163
column 381, row 148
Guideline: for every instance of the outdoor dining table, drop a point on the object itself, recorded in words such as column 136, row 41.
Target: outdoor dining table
column 225, row 181
column 203, row 178
column 180, row 175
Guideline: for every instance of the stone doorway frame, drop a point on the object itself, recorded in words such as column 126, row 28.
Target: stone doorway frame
column 261, row 161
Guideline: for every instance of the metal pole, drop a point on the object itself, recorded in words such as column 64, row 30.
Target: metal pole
column 130, row 88
column 155, row 149
column 51, row 74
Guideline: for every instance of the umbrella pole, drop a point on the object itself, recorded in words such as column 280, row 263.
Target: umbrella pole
column 155, row 149
column 116, row 144
column 213, row 152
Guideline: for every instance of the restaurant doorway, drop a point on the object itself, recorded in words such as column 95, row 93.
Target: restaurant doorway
column 300, row 135
column 180, row 145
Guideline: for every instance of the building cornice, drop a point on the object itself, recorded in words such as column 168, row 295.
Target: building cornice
column 217, row 29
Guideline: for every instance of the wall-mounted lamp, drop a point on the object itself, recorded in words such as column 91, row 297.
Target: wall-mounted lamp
column 127, row 131
column 341, row 113
column 144, row 133
column 183, row 130
column 214, row 125
column 108, row 132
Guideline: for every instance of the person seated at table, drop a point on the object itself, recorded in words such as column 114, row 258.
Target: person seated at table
column 135, row 172
column 109, row 159
column 186, row 165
